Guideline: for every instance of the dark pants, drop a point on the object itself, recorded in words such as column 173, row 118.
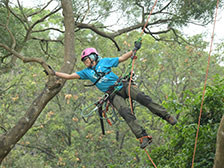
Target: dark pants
column 124, row 110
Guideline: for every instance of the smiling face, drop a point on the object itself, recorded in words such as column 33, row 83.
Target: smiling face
column 88, row 63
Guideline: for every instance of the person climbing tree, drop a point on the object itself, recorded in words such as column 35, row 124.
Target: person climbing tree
column 98, row 71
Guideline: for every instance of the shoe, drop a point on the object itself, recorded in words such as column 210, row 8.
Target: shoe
column 171, row 120
column 145, row 141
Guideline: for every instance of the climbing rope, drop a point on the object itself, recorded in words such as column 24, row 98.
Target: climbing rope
column 132, row 68
column 199, row 119
column 134, row 57
column 150, row 158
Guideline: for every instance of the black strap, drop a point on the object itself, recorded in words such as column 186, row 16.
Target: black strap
column 100, row 75
column 101, row 119
column 93, row 83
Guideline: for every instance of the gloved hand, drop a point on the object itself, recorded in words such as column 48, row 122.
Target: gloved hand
column 53, row 71
column 136, row 48
column 137, row 45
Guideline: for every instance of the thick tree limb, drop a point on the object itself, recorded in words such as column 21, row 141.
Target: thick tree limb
column 97, row 31
column 8, row 140
column 25, row 59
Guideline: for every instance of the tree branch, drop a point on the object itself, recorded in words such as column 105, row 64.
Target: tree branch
column 3, row 129
column 10, row 33
column 21, row 20
column 27, row 60
column 47, row 40
column 2, row 91
column 96, row 30
column 29, row 31
column 162, row 9
column 46, row 151
column 46, row 16
column 37, row 12
column 50, row 28
column 21, row 10
column 87, row 11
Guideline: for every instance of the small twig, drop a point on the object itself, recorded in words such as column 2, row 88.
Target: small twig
column 88, row 9
column 3, row 129
column 29, row 31
column 21, row 10
column 4, row 57
column 37, row 12
column 22, row 21
column 47, row 40
column 51, row 28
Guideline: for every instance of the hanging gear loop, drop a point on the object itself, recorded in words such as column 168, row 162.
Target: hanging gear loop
column 102, row 112
column 98, row 104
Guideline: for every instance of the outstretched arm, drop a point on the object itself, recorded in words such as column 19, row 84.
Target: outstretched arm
column 125, row 56
column 67, row 76
column 61, row 74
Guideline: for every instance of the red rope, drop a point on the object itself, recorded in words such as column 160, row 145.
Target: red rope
column 150, row 158
column 148, row 18
column 199, row 119
column 141, row 139
column 129, row 86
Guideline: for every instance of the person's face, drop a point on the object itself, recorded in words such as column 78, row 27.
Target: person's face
column 87, row 62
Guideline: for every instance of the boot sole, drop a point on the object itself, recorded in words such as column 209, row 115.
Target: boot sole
column 144, row 146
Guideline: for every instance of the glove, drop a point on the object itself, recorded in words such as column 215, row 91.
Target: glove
column 53, row 71
column 137, row 46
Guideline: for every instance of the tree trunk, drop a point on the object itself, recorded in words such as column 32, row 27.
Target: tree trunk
column 53, row 86
column 219, row 156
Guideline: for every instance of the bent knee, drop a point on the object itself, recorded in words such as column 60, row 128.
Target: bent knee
column 126, row 114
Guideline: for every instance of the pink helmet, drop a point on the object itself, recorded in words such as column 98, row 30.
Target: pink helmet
column 87, row 52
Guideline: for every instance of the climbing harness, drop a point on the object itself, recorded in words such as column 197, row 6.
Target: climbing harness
column 102, row 105
column 100, row 75
column 105, row 98
column 199, row 118
column 99, row 107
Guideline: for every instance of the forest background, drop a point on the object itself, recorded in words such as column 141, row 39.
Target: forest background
column 40, row 116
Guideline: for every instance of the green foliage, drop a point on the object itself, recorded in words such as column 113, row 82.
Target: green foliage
column 213, row 108
column 198, row 10
column 178, row 151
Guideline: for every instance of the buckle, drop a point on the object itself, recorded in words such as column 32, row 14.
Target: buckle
column 106, row 96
